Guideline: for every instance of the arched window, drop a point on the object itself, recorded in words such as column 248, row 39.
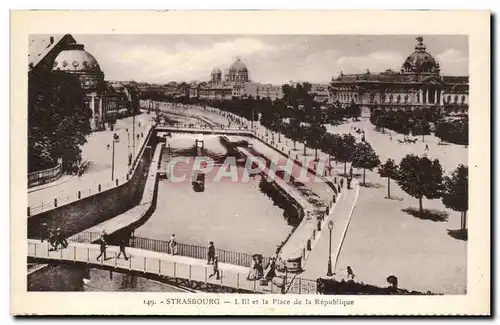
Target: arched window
column 406, row 99
column 463, row 99
column 456, row 99
column 418, row 97
column 383, row 98
column 448, row 100
column 390, row 98
column 398, row 98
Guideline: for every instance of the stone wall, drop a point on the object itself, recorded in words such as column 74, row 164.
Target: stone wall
column 89, row 211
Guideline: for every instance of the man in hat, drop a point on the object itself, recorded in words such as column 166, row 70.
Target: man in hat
column 122, row 249
column 211, row 252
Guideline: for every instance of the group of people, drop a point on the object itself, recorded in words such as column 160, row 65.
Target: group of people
column 54, row 237
column 258, row 272
column 103, row 242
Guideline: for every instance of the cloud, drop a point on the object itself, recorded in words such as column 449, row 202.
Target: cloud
column 453, row 62
column 182, row 61
column 375, row 61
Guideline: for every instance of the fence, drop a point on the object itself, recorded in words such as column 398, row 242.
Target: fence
column 44, row 176
column 187, row 250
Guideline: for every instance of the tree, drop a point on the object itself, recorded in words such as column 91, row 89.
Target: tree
column 456, row 193
column 294, row 131
column 420, row 177
column 365, row 157
column 421, row 127
column 390, row 170
column 346, row 150
column 58, row 120
column 330, row 145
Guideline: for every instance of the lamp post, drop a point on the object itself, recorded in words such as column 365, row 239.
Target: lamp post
column 115, row 138
column 329, row 272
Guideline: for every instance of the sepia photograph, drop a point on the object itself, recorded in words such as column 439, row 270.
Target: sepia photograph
column 319, row 166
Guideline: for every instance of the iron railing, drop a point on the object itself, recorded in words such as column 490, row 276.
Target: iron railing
column 44, row 176
column 187, row 250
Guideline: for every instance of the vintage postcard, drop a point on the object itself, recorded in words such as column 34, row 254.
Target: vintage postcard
column 250, row 163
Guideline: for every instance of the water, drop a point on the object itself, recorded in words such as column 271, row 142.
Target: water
column 71, row 278
column 246, row 217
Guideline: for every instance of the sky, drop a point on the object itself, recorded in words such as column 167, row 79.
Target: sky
column 270, row 59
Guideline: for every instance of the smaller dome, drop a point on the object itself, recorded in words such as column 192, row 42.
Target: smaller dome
column 75, row 59
column 216, row 71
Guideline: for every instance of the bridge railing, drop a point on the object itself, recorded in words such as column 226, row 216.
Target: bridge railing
column 187, row 250
column 168, row 266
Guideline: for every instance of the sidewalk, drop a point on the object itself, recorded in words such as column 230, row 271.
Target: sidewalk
column 317, row 261
column 98, row 172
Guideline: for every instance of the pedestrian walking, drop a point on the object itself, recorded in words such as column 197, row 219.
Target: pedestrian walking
column 44, row 232
column 122, row 249
column 102, row 244
column 173, row 245
column 426, row 147
column 342, row 182
column 216, row 268
column 211, row 253
column 60, row 240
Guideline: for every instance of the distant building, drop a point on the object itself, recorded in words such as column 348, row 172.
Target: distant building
column 269, row 91
column 62, row 54
column 417, row 84
column 235, row 83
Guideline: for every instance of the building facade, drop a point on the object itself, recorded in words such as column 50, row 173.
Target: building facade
column 62, row 54
column 417, row 84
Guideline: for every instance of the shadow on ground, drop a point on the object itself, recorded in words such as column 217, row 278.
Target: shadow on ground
column 460, row 234
column 425, row 214
column 371, row 185
column 395, row 198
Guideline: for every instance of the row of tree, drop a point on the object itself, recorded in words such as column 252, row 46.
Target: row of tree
column 420, row 177
column 453, row 130
column 422, row 122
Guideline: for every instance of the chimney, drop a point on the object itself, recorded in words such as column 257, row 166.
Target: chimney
column 52, row 40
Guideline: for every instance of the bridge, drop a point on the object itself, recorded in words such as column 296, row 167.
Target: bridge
column 189, row 128
column 180, row 270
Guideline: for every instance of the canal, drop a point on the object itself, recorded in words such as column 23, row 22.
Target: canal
column 79, row 278
column 241, row 216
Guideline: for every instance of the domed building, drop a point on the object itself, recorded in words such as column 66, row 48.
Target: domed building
column 237, row 72
column 418, row 84
column 74, row 60
column 235, row 83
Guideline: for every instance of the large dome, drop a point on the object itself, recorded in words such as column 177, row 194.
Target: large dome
column 238, row 66
column 76, row 59
column 216, row 71
column 420, row 61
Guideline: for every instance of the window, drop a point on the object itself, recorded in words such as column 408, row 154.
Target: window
column 456, row 99
column 448, row 100
column 406, row 99
column 398, row 98
column 463, row 99
column 390, row 99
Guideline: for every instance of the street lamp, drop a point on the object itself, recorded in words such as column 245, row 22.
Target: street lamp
column 115, row 139
column 329, row 272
